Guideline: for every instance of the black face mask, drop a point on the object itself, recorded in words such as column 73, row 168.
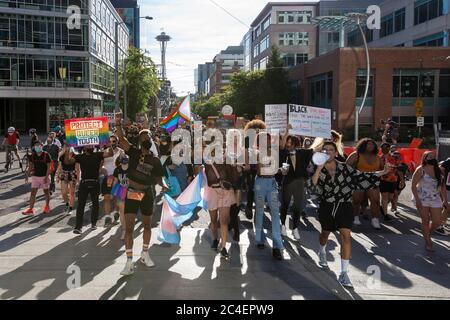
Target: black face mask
column 146, row 144
column 432, row 162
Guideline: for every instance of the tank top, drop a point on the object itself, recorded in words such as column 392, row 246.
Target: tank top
column 363, row 166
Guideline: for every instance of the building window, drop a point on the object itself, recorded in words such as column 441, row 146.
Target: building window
column 434, row 40
column 266, row 24
column 288, row 59
column 256, row 66
column 256, row 50
column 294, row 17
column 293, row 39
column 387, row 25
column 444, row 83
column 264, row 44
column 425, row 10
column 4, row 70
column 263, row 63
column 301, row 58
column 399, row 18
column 333, row 37
column 361, row 81
column 321, row 90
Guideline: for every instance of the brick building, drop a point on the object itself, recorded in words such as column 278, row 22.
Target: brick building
column 399, row 76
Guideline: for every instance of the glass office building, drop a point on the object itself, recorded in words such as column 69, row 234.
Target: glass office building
column 50, row 70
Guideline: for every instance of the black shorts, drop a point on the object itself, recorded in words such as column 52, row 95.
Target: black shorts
column 387, row 187
column 146, row 205
column 104, row 187
column 343, row 218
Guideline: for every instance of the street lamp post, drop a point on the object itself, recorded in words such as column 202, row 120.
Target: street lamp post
column 116, row 62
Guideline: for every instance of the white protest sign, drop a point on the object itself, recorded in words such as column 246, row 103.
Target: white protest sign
column 276, row 116
column 310, row 121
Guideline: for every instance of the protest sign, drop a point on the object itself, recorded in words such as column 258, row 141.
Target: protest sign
column 310, row 121
column 276, row 116
column 110, row 116
column 87, row 131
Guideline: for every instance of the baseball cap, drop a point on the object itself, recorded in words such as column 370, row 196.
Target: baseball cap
column 124, row 160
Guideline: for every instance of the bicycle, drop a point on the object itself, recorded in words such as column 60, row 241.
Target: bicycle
column 9, row 158
column 26, row 160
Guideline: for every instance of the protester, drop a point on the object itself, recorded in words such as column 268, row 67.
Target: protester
column 109, row 165
column 430, row 196
column 39, row 171
column 68, row 176
column 266, row 190
column 366, row 159
column 90, row 163
column 445, row 168
column 53, row 150
column 34, row 137
column 121, row 180
column 144, row 170
column 334, row 182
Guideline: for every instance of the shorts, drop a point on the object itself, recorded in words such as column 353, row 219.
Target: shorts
column 388, row 187
column 217, row 198
column 105, row 186
column 146, row 204
column 343, row 218
column 39, row 183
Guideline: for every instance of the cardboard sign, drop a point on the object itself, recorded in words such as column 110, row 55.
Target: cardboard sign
column 310, row 121
column 276, row 116
column 110, row 116
column 87, row 132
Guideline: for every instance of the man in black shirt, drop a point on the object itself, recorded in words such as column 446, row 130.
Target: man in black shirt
column 295, row 161
column 90, row 163
column 39, row 170
column 144, row 171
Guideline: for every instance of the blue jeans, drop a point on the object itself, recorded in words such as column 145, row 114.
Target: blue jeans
column 266, row 190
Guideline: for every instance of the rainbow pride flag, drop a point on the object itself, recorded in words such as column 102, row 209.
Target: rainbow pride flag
column 180, row 115
column 87, row 131
column 176, row 212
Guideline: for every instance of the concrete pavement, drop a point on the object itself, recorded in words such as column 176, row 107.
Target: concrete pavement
column 39, row 255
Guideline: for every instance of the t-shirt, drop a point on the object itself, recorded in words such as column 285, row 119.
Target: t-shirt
column 122, row 176
column 53, row 150
column 446, row 166
column 392, row 175
column 12, row 139
column 40, row 163
column 110, row 163
column 142, row 169
column 66, row 167
column 89, row 165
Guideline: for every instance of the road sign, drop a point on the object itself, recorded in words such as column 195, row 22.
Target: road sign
column 420, row 121
column 227, row 110
column 419, row 108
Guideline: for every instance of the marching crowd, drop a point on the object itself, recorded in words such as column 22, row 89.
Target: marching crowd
column 138, row 157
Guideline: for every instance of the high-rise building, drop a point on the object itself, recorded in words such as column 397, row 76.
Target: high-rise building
column 50, row 71
column 286, row 25
column 225, row 64
column 129, row 12
column 201, row 75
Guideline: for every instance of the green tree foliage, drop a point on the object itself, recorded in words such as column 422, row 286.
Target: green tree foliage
column 141, row 80
column 249, row 92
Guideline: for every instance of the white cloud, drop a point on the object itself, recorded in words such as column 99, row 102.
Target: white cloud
column 199, row 30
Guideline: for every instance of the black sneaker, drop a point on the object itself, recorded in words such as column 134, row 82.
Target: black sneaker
column 77, row 231
column 441, row 231
column 116, row 216
column 276, row 253
column 215, row 244
column 260, row 245
column 388, row 218
column 224, row 254
column 108, row 221
column 304, row 214
column 249, row 213
column 93, row 227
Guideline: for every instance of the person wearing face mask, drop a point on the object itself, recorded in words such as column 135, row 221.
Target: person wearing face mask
column 68, row 175
column 90, row 163
column 430, row 196
column 39, row 170
column 107, row 182
column 144, row 171
column 53, row 150
column 334, row 182
column 121, row 178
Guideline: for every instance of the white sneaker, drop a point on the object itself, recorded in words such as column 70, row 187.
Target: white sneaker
column 356, row 221
column 283, row 231
column 344, row 280
column 296, row 234
column 376, row 223
column 128, row 269
column 145, row 259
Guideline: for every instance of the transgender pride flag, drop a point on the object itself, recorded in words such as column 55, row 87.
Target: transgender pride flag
column 176, row 212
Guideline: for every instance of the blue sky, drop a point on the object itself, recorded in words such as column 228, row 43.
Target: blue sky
column 199, row 30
